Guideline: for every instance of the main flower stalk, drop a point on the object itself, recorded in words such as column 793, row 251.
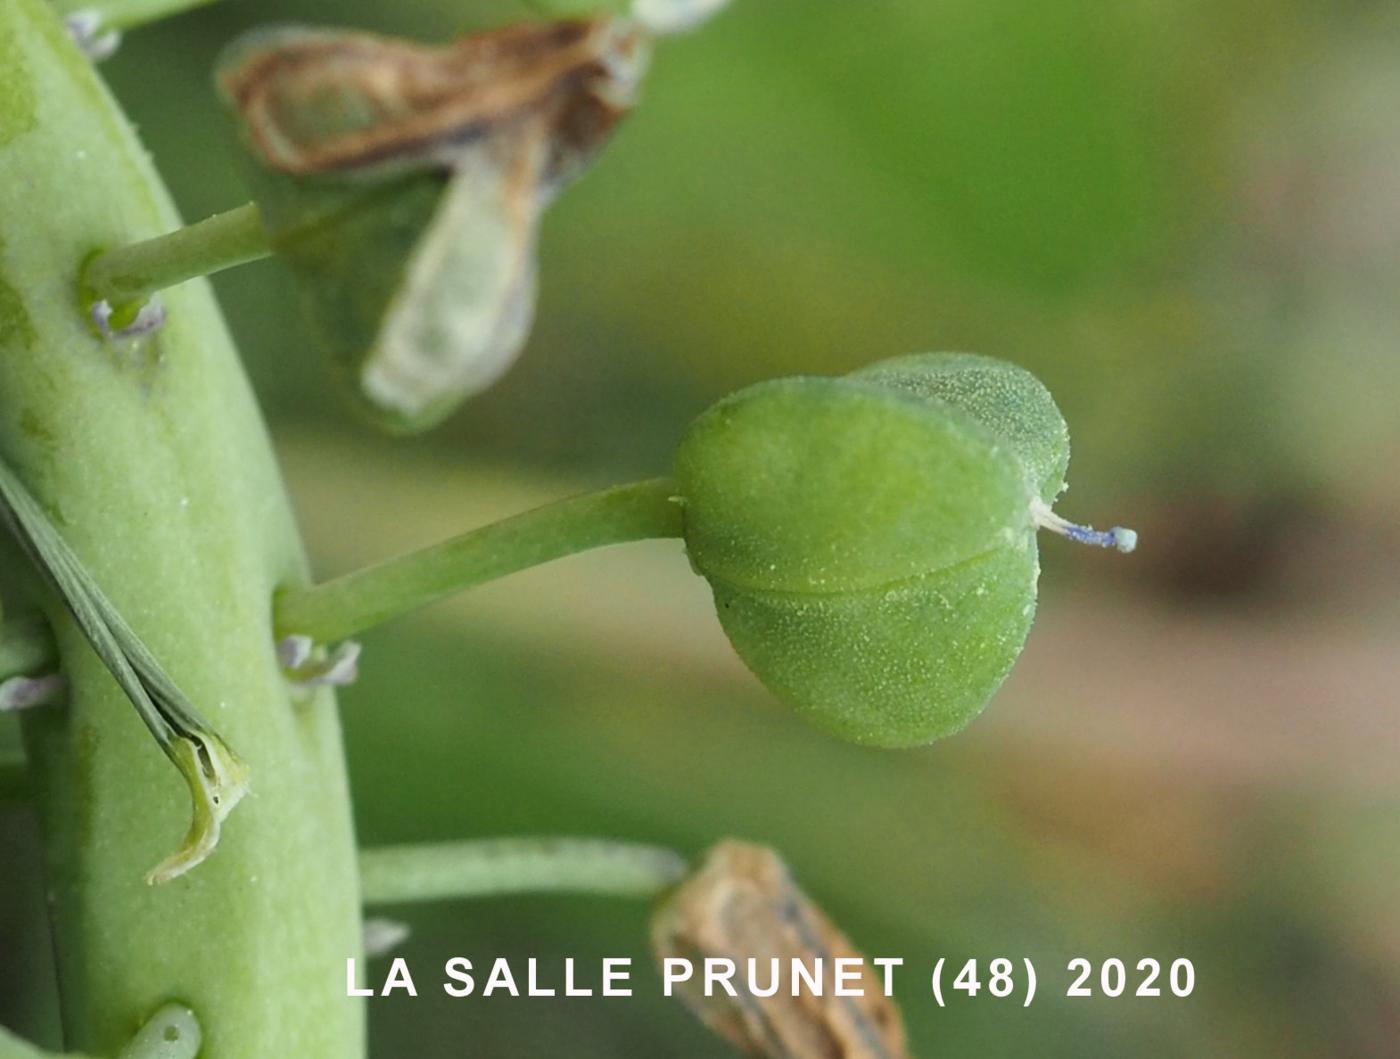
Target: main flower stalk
column 152, row 460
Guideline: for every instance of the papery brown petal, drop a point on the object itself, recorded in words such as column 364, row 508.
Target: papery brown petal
column 326, row 101
column 742, row 903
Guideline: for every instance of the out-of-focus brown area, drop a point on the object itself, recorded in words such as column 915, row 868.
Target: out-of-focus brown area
column 1185, row 218
column 742, row 905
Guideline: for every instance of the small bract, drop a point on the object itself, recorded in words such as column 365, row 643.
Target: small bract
column 871, row 540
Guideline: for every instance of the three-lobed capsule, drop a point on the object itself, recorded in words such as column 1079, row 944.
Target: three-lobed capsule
column 871, row 540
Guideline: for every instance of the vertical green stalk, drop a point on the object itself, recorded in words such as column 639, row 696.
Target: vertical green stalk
column 153, row 461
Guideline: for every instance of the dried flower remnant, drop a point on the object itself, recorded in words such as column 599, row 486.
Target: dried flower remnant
column 314, row 102
column 742, row 905
column 404, row 183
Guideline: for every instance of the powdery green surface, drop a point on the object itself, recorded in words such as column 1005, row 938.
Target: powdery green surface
column 154, row 463
column 869, row 539
column 1009, row 401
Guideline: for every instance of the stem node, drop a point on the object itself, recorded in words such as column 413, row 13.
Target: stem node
column 308, row 666
column 124, row 278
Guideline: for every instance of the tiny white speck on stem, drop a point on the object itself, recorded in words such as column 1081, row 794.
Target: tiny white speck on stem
column 293, row 652
column 382, row 936
column 93, row 40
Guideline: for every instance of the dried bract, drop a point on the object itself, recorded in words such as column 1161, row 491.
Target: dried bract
column 742, row 905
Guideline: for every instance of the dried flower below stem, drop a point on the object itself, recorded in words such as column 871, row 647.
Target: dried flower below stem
column 742, row 905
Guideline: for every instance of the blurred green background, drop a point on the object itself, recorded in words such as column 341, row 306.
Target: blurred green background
column 1185, row 217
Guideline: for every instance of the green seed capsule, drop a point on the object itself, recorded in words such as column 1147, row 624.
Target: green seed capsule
column 870, row 540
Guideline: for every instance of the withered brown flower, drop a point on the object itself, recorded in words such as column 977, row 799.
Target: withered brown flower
column 742, row 905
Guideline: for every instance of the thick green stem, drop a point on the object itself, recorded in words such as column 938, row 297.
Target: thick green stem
column 154, row 462
column 127, row 275
column 363, row 599
column 26, row 648
column 127, row 14
column 493, row 867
